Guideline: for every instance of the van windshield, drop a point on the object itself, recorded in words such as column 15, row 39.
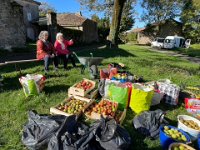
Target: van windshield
column 160, row 40
column 168, row 41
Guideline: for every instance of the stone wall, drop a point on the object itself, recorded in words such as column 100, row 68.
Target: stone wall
column 31, row 14
column 90, row 31
column 12, row 28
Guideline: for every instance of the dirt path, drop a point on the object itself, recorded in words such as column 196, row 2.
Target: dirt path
column 173, row 53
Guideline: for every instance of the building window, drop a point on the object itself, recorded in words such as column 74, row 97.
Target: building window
column 29, row 16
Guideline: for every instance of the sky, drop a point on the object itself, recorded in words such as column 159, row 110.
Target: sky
column 73, row 6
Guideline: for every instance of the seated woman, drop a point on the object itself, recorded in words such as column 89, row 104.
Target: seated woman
column 61, row 47
column 46, row 51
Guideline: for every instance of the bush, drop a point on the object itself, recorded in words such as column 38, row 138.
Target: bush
column 132, row 37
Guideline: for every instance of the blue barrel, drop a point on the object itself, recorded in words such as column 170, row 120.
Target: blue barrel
column 166, row 140
column 198, row 142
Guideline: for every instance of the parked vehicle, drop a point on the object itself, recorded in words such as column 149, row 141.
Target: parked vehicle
column 174, row 42
column 158, row 42
column 187, row 43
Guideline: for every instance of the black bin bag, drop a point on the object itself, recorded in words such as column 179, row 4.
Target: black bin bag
column 69, row 132
column 110, row 135
column 148, row 123
column 39, row 129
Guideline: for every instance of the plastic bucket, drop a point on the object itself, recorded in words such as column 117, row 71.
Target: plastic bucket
column 192, row 132
column 171, row 147
column 166, row 140
column 198, row 142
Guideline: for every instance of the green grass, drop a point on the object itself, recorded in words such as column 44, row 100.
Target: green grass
column 193, row 51
column 151, row 65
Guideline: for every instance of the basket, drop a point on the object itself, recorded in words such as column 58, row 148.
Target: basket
column 192, row 132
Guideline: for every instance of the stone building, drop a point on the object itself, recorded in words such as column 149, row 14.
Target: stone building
column 162, row 29
column 31, row 17
column 72, row 25
column 14, row 27
column 75, row 21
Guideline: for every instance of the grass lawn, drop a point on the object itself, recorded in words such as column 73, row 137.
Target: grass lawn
column 193, row 51
column 151, row 65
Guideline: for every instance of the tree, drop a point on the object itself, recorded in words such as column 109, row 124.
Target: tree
column 103, row 26
column 127, row 19
column 117, row 6
column 44, row 8
column 159, row 10
column 190, row 17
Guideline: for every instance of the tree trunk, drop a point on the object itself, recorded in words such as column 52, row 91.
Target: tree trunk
column 116, row 18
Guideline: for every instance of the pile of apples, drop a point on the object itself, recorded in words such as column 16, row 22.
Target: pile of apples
column 85, row 85
column 104, row 107
column 73, row 106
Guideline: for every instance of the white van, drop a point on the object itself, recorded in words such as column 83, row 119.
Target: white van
column 158, row 42
column 174, row 42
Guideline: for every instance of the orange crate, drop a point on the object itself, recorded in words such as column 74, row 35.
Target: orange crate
column 81, row 92
column 55, row 110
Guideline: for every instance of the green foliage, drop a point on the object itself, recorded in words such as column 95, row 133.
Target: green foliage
column 191, row 20
column 158, row 10
column 103, row 25
column 113, row 8
column 193, row 51
column 132, row 37
column 44, row 8
column 138, row 60
column 127, row 19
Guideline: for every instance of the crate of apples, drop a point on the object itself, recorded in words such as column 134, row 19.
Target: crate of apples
column 82, row 88
column 72, row 106
column 106, row 108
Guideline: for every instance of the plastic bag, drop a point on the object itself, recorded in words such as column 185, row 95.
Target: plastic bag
column 170, row 90
column 39, row 129
column 141, row 98
column 69, row 132
column 93, row 71
column 192, row 106
column 106, row 86
column 110, row 135
column 120, row 95
column 148, row 123
column 32, row 84
column 157, row 97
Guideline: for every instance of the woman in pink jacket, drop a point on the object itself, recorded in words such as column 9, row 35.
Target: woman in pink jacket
column 61, row 47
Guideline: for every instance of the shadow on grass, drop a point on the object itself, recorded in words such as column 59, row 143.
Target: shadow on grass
column 56, row 88
column 106, row 53
column 136, row 137
column 11, row 84
column 21, row 66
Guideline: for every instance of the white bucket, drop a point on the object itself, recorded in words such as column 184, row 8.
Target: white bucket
column 192, row 132
column 171, row 146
